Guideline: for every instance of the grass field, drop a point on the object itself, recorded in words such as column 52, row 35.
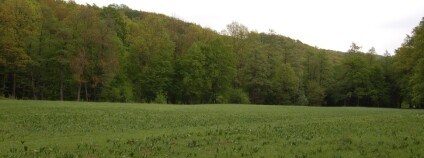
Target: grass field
column 71, row 129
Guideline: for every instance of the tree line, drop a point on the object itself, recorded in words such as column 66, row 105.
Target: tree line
column 60, row 50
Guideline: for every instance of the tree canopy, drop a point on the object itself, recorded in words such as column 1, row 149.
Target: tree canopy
column 59, row 50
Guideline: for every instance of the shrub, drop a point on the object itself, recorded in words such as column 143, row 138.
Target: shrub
column 160, row 98
column 238, row 96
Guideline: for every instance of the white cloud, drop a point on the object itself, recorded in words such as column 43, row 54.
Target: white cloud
column 329, row 24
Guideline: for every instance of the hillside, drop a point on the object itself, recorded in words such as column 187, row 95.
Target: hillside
column 59, row 50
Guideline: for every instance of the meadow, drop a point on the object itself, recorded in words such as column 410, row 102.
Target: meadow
column 80, row 129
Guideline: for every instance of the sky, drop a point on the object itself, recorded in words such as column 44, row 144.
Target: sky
column 327, row 24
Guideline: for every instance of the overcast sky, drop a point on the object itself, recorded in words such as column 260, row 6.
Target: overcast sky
column 328, row 24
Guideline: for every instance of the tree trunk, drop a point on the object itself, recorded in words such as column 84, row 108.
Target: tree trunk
column 79, row 91
column 86, row 92
column 61, row 85
column 357, row 101
column 4, row 85
column 14, row 86
column 33, row 86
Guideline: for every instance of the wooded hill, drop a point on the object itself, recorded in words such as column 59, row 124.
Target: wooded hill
column 59, row 50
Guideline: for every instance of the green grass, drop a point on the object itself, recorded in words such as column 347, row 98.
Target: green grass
column 71, row 129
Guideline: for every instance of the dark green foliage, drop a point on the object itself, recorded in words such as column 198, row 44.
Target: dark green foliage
column 237, row 96
column 315, row 93
column 356, row 81
column 361, row 80
column 285, row 85
column 417, row 83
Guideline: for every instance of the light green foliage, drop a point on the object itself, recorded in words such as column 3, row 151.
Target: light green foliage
column 192, row 69
column 160, row 98
column 115, row 20
column 151, row 65
column 408, row 66
column 207, row 72
column 71, row 129
column 220, row 67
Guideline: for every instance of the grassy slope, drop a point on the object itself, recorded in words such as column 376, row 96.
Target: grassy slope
column 70, row 129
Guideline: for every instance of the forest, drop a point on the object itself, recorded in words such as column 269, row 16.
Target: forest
column 60, row 50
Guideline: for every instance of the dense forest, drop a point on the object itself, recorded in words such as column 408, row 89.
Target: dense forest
column 60, row 50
